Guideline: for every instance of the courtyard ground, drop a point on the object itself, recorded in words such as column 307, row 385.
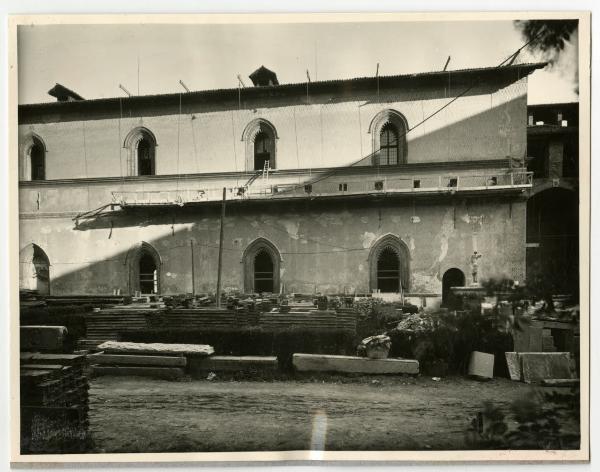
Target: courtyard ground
column 381, row 413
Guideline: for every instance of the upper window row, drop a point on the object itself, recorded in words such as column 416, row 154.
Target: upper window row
column 388, row 130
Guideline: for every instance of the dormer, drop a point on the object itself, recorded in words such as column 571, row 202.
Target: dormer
column 63, row 94
column 263, row 77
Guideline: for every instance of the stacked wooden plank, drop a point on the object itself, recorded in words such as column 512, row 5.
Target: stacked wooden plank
column 107, row 324
column 311, row 319
column 54, row 402
column 198, row 318
column 94, row 300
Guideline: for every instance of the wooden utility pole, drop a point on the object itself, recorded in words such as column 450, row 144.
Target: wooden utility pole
column 221, row 249
column 193, row 273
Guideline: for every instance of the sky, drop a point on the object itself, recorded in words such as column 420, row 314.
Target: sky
column 146, row 59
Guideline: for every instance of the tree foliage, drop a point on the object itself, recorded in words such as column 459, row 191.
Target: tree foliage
column 547, row 36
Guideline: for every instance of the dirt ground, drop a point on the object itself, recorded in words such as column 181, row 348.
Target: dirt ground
column 366, row 413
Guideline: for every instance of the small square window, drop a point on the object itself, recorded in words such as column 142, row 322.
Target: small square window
column 308, row 188
column 416, row 184
column 453, row 182
column 343, row 187
column 379, row 185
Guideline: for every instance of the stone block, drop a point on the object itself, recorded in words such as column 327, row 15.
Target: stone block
column 538, row 366
column 116, row 347
column 351, row 364
column 481, row 365
column 514, row 365
column 200, row 365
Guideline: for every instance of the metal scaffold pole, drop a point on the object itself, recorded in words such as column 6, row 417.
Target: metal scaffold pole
column 220, row 265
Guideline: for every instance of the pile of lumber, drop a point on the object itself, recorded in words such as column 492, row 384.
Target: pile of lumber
column 54, row 402
column 108, row 324
column 165, row 361
column 94, row 300
column 196, row 318
column 310, row 319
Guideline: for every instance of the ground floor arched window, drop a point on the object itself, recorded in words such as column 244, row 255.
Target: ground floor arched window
column 34, row 270
column 262, row 263
column 389, row 262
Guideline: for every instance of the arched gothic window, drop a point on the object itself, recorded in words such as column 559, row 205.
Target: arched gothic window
column 141, row 146
column 32, row 165
column 262, row 263
column 388, row 130
column 261, row 144
column 389, row 263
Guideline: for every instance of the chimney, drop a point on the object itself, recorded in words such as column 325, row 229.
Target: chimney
column 263, row 77
column 63, row 94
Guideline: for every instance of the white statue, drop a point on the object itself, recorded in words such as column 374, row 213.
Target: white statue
column 475, row 266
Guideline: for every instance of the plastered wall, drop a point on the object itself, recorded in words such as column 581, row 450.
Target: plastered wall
column 487, row 123
column 324, row 246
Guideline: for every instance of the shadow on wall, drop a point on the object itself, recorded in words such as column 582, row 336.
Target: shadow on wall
column 483, row 134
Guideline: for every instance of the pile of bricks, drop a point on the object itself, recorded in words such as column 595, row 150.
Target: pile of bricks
column 54, row 403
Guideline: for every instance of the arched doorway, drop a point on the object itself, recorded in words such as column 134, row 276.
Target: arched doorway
column 35, row 270
column 388, row 271
column 148, row 275
column 451, row 278
column 263, row 272
column 144, row 270
column 553, row 241
column 262, row 267
column 389, row 262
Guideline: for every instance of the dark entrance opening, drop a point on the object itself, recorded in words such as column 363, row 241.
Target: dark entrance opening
column 262, row 147
column 38, row 165
column 148, row 275
column 451, row 278
column 553, row 242
column 263, row 272
column 388, row 271
column 145, row 157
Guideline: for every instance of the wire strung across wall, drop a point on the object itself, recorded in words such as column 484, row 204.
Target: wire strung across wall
column 420, row 123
